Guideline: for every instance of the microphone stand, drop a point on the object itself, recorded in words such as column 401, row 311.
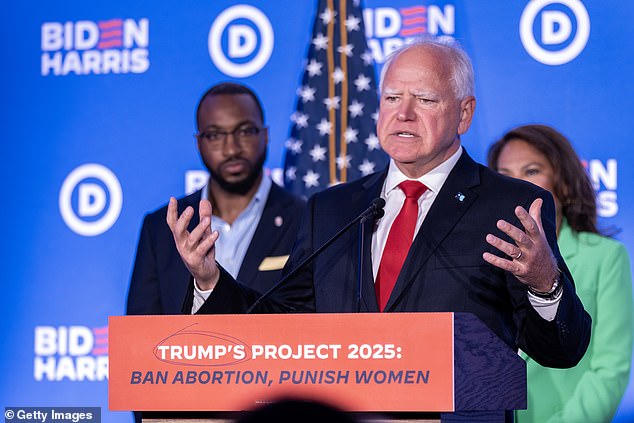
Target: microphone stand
column 379, row 212
column 361, row 257
column 375, row 209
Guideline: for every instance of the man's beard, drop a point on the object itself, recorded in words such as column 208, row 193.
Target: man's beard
column 243, row 186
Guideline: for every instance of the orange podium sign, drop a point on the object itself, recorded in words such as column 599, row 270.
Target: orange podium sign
column 360, row 362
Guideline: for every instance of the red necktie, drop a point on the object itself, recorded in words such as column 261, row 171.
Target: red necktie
column 398, row 241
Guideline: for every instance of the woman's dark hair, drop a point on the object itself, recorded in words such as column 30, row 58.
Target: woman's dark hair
column 572, row 185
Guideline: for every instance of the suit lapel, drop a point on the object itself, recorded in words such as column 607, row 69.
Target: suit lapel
column 453, row 200
column 371, row 190
column 267, row 234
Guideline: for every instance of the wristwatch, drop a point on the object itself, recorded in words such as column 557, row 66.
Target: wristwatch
column 553, row 292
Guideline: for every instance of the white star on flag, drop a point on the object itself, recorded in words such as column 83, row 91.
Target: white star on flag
column 367, row 58
column 343, row 161
column 356, row 108
column 291, row 173
column 332, row 102
column 352, row 23
column 306, row 93
column 320, row 42
column 295, row 146
column 318, row 153
column 311, row 179
column 327, row 16
column 300, row 119
column 372, row 142
column 350, row 135
column 338, row 75
column 314, row 68
column 324, row 127
column 366, row 167
column 375, row 116
column 362, row 82
column 347, row 49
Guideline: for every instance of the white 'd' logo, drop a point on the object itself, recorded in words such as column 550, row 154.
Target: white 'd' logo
column 556, row 28
column 242, row 41
column 92, row 199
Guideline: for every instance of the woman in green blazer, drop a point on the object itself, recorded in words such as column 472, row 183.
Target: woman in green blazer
column 591, row 391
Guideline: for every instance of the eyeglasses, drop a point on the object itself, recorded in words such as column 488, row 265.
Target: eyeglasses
column 242, row 135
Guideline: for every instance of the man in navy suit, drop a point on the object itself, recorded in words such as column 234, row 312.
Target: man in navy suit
column 480, row 242
column 258, row 219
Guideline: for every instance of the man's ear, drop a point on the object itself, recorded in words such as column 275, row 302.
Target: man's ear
column 467, row 108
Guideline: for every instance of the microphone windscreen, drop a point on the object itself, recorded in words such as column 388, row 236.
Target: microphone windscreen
column 378, row 205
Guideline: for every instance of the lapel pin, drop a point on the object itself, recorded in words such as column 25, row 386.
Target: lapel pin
column 278, row 221
column 460, row 197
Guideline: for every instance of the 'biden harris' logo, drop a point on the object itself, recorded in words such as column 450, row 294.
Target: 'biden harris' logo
column 70, row 353
column 112, row 46
column 554, row 32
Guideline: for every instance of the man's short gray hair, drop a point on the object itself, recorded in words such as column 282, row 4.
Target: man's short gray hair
column 462, row 78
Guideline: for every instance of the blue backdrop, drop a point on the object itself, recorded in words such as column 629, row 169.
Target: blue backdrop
column 97, row 129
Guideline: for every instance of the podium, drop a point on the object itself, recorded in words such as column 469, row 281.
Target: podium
column 401, row 366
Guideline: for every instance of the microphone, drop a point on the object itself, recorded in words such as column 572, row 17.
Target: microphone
column 375, row 211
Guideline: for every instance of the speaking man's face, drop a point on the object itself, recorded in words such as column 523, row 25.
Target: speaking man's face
column 232, row 140
column 420, row 118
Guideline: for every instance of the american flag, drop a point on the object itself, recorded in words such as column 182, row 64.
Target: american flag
column 333, row 136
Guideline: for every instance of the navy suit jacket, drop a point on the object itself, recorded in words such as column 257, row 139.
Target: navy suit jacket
column 161, row 284
column 444, row 270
